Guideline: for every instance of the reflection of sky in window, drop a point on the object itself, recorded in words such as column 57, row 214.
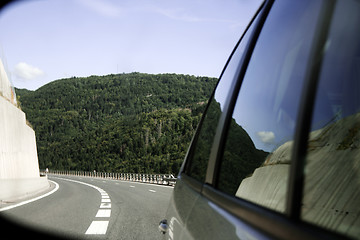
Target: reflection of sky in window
column 268, row 101
column 267, row 128
column 338, row 90
column 227, row 78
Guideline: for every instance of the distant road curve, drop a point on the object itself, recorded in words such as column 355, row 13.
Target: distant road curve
column 89, row 208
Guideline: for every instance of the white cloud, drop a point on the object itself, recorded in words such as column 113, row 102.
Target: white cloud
column 27, row 72
column 266, row 137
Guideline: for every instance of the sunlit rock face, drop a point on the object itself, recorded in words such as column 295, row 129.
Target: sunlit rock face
column 332, row 177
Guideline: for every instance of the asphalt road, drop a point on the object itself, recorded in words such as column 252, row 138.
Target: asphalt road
column 92, row 208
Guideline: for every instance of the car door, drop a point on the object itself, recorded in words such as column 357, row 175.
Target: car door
column 250, row 169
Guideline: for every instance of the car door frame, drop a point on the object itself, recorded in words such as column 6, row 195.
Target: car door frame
column 272, row 224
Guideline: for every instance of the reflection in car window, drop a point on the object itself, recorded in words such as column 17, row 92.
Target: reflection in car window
column 332, row 171
column 257, row 153
column 198, row 164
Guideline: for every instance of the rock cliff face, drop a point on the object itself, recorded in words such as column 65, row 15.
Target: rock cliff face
column 18, row 154
column 332, row 177
column 332, row 184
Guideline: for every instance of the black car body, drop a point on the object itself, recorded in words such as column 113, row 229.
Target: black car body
column 276, row 154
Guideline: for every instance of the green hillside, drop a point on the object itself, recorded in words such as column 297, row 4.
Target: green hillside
column 135, row 122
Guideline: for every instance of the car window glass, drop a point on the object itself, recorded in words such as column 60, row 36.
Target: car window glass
column 256, row 158
column 201, row 152
column 332, row 170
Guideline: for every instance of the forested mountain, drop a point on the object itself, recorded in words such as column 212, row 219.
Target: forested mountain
column 135, row 122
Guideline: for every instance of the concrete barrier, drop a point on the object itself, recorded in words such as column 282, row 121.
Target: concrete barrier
column 18, row 154
column 19, row 167
column 16, row 189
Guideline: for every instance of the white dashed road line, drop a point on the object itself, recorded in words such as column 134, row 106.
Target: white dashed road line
column 105, row 205
column 103, row 213
column 98, row 227
column 150, row 190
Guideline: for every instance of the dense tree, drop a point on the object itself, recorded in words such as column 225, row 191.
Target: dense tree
column 133, row 122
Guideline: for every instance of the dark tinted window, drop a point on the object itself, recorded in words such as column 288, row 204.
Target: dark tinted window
column 332, row 171
column 257, row 153
column 201, row 152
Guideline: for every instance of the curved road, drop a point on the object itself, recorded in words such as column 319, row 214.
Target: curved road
column 93, row 208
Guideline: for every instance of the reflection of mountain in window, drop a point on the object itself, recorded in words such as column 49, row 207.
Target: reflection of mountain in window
column 204, row 142
column 241, row 158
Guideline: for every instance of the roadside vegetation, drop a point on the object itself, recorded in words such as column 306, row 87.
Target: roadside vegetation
column 136, row 122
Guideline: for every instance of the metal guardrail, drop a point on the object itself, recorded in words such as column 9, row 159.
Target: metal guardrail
column 161, row 179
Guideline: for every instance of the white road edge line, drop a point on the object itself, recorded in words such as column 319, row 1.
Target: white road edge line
column 84, row 183
column 33, row 199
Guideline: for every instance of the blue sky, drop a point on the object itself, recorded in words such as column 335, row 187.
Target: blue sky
column 42, row 41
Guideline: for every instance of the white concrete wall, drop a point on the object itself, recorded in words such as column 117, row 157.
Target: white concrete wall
column 18, row 154
column 16, row 189
column 5, row 87
column 19, row 167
